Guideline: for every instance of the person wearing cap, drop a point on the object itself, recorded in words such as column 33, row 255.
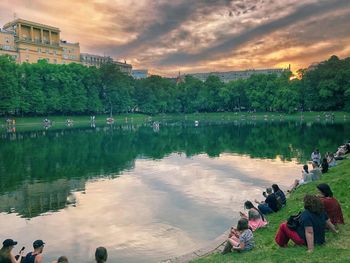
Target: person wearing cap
column 6, row 255
column 35, row 256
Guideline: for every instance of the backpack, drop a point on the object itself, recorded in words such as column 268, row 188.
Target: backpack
column 293, row 221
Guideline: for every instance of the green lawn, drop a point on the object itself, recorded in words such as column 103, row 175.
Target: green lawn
column 337, row 247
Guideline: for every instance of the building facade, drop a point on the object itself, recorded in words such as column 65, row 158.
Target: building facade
column 7, row 44
column 70, row 52
column 30, row 42
column 91, row 60
column 34, row 41
column 235, row 75
column 124, row 67
column 139, row 73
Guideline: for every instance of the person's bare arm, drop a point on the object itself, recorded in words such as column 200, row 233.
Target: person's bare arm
column 309, row 234
column 331, row 226
column 13, row 259
column 39, row 258
column 240, row 247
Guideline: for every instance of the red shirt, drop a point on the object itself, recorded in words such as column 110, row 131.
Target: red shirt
column 333, row 210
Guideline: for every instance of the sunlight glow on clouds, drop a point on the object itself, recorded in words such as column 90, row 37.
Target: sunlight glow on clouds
column 197, row 35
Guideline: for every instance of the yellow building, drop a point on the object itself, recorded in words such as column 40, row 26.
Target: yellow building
column 7, row 44
column 30, row 42
column 35, row 41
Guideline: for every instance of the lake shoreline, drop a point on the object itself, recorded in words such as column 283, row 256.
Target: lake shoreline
column 139, row 117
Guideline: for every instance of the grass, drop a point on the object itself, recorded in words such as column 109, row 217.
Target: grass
column 337, row 247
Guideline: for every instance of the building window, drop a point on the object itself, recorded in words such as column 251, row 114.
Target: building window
column 39, row 50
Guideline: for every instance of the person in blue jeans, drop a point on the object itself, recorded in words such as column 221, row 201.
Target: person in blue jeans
column 270, row 204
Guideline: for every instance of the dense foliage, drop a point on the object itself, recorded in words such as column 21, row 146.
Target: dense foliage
column 42, row 88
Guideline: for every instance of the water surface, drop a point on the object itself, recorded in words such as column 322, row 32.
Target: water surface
column 145, row 194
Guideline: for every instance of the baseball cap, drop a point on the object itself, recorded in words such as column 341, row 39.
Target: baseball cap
column 38, row 243
column 9, row 243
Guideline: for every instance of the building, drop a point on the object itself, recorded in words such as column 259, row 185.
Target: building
column 124, row 67
column 30, row 42
column 70, row 52
column 139, row 73
column 90, row 60
column 7, row 44
column 34, row 41
column 235, row 75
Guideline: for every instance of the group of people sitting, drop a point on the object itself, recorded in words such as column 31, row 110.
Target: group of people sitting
column 321, row 212
column 36, row 256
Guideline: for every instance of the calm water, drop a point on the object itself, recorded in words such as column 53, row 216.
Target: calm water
column 145, row 194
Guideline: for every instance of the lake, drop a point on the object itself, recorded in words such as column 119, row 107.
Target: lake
column 143, row 192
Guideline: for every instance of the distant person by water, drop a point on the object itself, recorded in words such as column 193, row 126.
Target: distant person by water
column 324, row 166
column 316, row 156
column 6, row 255
column 279, row 194
column 331, row 160
column 240, row 238
column 331, row 205
column 255, row 218
column 315, row 172
column 101, row 255
column 270, row 204
column 306, row 178
column 36, row 256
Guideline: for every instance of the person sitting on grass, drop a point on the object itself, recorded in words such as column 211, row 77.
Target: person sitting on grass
column 61, row 259
column 240, row 239
column 324, row 166
column 279, row 194
column 331, row 205
column 270, row 204
column 306, row 178
column 315, row 172
column 330, row 159
column 342, row 150
column 312, row 225
column 255, row 218
column 316, row 156
column 6, row 255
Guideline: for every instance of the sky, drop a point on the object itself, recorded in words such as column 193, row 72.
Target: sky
column 190, row 36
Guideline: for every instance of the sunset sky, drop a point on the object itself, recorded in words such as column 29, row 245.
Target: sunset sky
column 197, row 35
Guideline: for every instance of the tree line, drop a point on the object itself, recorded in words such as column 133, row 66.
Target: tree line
column 48, row 89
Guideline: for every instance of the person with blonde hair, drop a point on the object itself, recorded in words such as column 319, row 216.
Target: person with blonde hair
column 6, row 255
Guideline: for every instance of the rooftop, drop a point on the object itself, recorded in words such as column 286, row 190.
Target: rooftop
column 30, row 23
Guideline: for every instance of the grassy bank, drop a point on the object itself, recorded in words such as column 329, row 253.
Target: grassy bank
column 337, row 247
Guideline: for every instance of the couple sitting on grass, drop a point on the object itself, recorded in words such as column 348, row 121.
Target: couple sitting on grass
column 320, row 213
column 307, row 228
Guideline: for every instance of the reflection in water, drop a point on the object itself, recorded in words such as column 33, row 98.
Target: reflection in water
column 144, row 194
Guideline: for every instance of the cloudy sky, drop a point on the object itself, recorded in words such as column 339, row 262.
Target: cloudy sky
column 197, row 35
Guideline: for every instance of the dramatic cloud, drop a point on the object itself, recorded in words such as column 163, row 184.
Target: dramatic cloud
column 197, row 35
